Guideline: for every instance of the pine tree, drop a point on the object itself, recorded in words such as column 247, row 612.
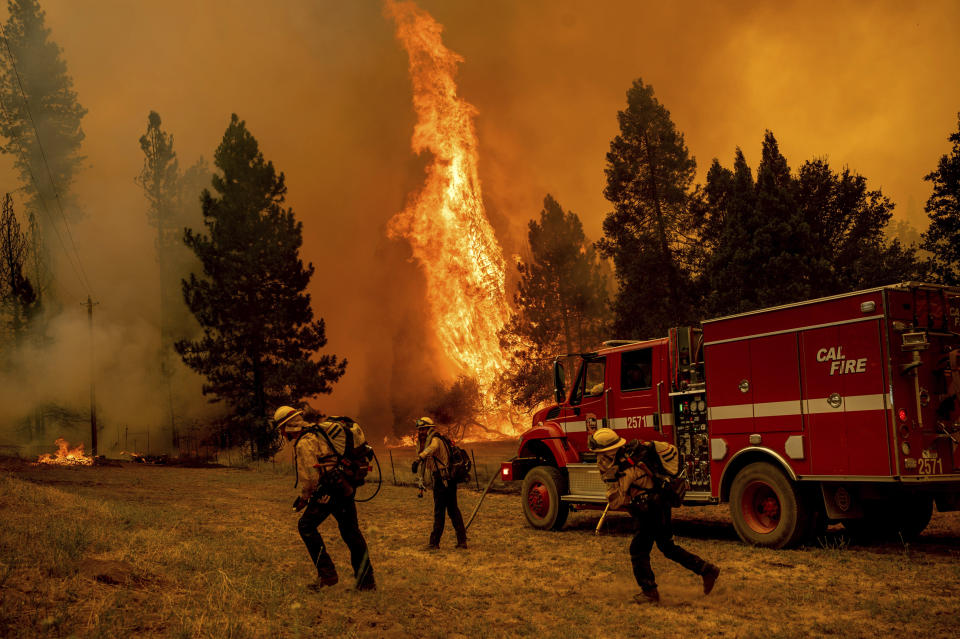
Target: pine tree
column 848, row 221
column 560, row 305
column 39, row 102
column 259, row 336
column 169, row 211
column 649, row 177
column 727, row 276
column 942, row 238
column 787, row 238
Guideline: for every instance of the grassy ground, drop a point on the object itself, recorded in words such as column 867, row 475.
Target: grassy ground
column 214, row 553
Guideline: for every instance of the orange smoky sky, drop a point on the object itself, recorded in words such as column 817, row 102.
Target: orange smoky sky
column 324, row 86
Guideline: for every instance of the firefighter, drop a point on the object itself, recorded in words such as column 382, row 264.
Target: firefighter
column 434, row 457
column 630, row 483
column 324, row 492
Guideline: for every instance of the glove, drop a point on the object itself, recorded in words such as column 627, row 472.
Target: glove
column 299, row 504
column 415, row 466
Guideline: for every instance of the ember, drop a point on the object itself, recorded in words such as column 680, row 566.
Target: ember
column 66, row 456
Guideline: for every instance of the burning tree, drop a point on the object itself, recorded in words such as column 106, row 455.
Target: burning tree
column 445, row 223
column 259, row 336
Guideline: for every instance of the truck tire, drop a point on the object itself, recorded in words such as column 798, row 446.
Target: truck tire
column 902, row 517
column 766, row 508
column 541, row 492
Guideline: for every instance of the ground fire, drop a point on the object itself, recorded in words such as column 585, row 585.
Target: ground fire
column 66, row 456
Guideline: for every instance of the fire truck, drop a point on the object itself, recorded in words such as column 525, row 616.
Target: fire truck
column 840, row 409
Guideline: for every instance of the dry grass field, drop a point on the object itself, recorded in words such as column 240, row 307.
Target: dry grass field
column 141, row 551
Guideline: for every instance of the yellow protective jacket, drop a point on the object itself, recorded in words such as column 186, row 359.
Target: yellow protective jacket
column 623, row 485
column 311, row 450
column 434, row 455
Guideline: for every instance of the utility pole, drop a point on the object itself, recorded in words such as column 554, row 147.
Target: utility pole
column 93, row 395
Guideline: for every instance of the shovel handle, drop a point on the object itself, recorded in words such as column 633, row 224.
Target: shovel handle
column 602, row 517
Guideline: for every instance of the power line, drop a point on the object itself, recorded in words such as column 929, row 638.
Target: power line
column 79, row 271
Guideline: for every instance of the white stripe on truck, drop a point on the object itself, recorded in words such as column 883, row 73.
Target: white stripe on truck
column 853, row 403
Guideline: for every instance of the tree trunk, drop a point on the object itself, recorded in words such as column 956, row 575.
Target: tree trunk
column 666, row 257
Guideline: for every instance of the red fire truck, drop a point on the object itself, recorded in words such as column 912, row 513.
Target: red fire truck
column 840, row 409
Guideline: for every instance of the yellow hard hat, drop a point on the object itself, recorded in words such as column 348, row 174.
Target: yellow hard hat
column 424, row 422
column 284, row 414
column 604, row 439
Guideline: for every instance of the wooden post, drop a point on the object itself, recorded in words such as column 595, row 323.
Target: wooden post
column 475, row 479
column 392, row 469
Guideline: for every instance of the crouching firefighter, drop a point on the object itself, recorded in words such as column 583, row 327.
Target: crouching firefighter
column 626, row 470
column 434, row 456
column 327, row 474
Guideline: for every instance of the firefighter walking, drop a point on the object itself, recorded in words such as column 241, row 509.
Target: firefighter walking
column 434, row 457
column 324, row 491
column 625, row 468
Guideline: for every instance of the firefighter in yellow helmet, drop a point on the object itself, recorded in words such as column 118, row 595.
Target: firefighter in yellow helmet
column 323, row 492
column 434, row 456
column 625, row 468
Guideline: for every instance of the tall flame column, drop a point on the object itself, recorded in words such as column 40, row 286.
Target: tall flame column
column 445, row 223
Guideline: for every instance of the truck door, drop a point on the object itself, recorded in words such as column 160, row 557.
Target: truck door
column 587, row 402
column 633, row 405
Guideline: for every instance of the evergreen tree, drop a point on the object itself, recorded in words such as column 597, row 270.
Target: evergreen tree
column 169, row 210
column 784, row 239
column 727, row 276
column 39, row 102
column 259, row 336
column 943, row 208
column 158, row 178
column 850, row 250
column 560, row 304
column 649, row 177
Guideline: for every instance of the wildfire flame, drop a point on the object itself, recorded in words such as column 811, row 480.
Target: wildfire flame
column 445, row 223
column 66, row 456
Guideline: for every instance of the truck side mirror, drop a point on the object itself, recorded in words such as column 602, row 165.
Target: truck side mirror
column 558, row 381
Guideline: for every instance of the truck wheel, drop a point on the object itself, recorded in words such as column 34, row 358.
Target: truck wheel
column 541, row 492
column 765, row 507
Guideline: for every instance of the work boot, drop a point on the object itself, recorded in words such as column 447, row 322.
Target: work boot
column 431, row 547
column 323, row 582
column 326, row 572
column 710, row 574
column 462, row 544
column 647, row 596
column 367, row 583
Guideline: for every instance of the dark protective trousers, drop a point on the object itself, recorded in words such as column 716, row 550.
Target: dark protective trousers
column 654, row 526
column 344, row 510
column 444, row 502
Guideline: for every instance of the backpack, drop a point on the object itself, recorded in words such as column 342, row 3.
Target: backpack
column 669, row 473
column 458, row 470
column 354, row 461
